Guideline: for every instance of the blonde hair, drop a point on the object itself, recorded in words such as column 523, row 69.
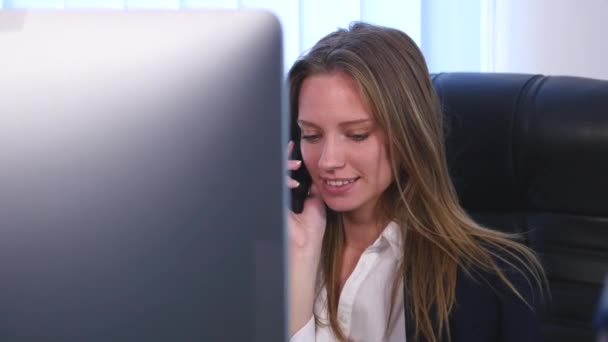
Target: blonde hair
column 393, row 78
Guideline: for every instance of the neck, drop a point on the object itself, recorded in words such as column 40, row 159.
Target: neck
column 362, row 228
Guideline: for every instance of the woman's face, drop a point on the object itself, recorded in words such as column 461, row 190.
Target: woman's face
column 342, row 147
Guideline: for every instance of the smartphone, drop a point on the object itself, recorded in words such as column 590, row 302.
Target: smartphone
column 299, row 194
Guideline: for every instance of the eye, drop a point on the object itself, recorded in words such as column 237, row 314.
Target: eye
column 310, row 137
column 359, row 137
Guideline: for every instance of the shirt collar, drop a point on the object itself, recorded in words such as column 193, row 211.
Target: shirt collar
column 391, row 238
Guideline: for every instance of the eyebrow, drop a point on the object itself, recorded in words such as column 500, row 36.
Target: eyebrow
column 345, row 123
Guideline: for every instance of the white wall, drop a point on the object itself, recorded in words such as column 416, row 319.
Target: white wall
column 451, row 35
column 552, row 37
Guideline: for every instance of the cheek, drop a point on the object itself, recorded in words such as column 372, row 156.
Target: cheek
column 385, row 172
column 310, row 156
column 378, row 163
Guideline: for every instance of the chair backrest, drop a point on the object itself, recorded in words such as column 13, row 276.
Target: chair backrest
column 529, row 154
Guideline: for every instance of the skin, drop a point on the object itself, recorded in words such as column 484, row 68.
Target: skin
column 340, row 141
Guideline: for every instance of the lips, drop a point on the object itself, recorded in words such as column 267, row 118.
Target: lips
column 338, row 186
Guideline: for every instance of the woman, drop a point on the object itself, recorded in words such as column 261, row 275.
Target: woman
column 382, row 251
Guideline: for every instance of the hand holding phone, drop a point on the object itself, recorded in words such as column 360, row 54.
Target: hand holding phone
column 307, row 217
column 298, row 173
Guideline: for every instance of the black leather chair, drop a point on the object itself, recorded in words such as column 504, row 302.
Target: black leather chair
column 529, row 154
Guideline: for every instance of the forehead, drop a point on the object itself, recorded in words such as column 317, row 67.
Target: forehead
column 331, row 98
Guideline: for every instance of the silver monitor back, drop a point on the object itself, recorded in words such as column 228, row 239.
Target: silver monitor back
column 141, row 183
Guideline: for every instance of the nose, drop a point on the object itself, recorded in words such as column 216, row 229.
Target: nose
column 332, row 156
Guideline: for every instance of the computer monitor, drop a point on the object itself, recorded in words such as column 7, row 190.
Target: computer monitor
column 141, row 176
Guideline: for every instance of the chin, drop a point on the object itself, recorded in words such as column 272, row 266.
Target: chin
column 341, row 205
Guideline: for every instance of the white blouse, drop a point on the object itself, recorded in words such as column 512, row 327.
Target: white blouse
column 365, row 299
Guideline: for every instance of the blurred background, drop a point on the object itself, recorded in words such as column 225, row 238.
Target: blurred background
column 551, row 37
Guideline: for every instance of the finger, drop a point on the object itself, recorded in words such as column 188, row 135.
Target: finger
column 292, row 183
column 294, row 164
column 289, row 148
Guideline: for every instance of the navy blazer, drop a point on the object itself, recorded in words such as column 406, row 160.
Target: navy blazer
column 487, row 311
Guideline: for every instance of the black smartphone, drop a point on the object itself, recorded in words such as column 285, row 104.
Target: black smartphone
column 299, row 194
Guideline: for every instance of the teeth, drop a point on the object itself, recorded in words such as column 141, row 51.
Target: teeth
column 339, row 183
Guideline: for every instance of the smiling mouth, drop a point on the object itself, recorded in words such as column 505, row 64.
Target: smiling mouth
column 340, row 183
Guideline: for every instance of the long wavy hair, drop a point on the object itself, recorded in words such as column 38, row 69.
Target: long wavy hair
column 392, row 76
